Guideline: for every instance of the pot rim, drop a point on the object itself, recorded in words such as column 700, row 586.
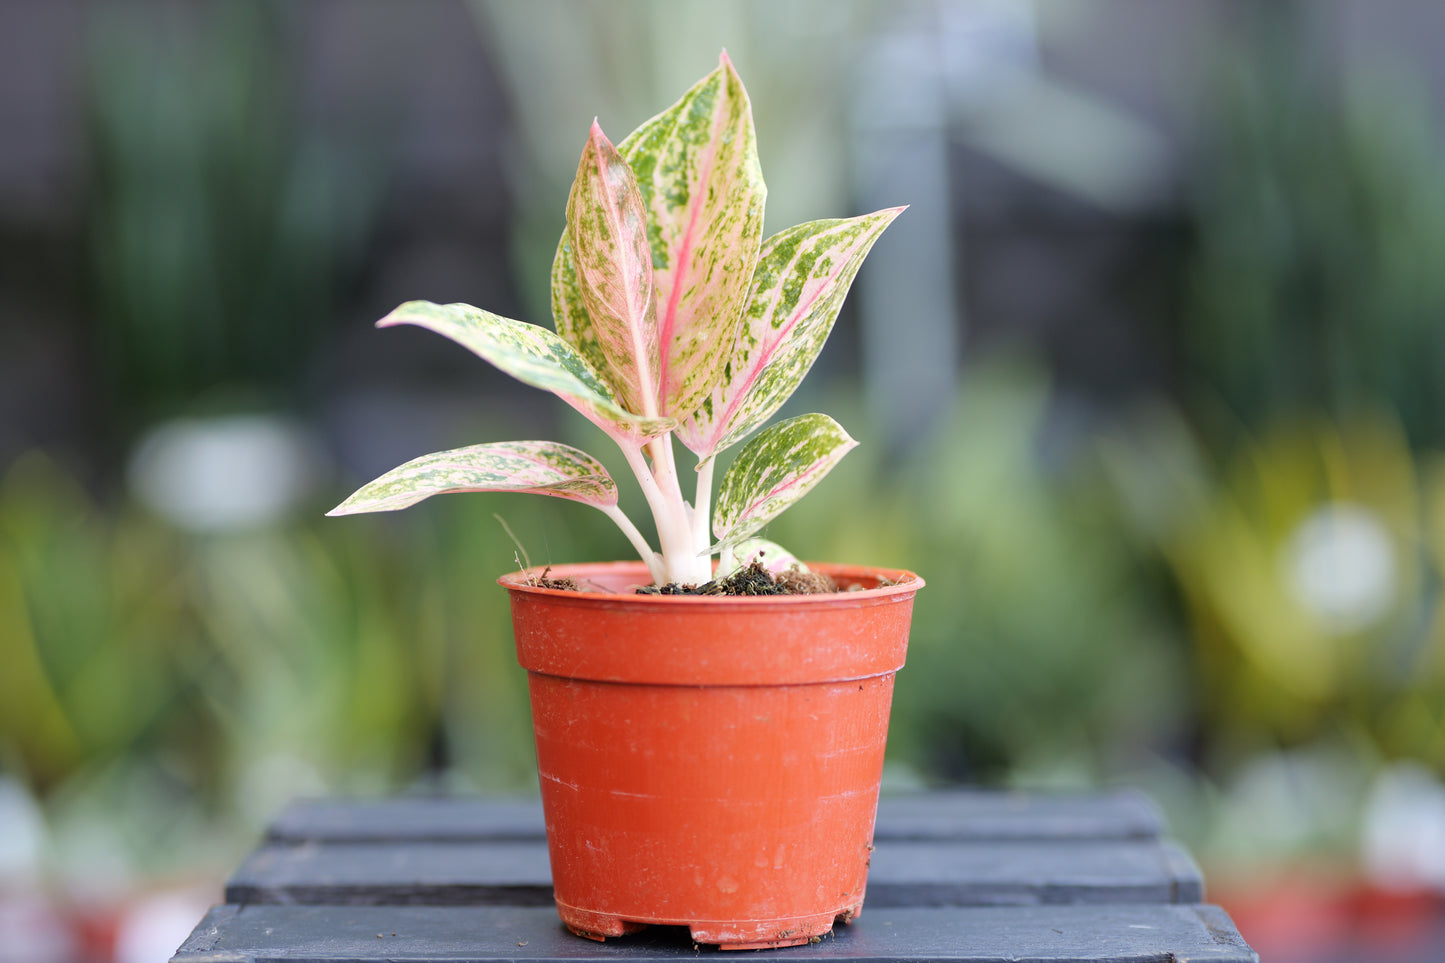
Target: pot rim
column 904, row 583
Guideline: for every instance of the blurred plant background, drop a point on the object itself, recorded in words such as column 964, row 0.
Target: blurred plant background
column 1149, row 381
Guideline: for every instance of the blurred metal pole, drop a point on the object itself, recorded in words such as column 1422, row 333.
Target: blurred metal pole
column 966, row 71
column 910, row 322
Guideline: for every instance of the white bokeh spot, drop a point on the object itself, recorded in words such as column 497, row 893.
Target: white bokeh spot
column 223, row 474
column 1340, row 565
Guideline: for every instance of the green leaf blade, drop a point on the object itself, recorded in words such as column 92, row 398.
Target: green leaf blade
column 774, row 470
column 801, row 281
column 697, row 168
column 534, row 356
column 538, row 467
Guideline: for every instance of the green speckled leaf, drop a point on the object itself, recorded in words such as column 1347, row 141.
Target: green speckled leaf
column 569, row 310
column 540, row 467
column 697, row 169
column 800, row 283
column 774, row 470
column 532, row 355
column 607, row 241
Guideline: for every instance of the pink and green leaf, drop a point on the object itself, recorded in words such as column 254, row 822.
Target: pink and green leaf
column 539, row 467
column 797, row 290
column 569, row 308
column 774, row 470
column 534, row 356
column 697, row 168
column 606, row 241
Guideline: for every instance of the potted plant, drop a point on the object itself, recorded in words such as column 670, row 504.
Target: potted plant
column 705, row 760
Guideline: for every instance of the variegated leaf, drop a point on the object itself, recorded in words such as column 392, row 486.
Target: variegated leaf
column 569, row 310
column 697, row 167
column 540, row 467
column 607, row 237
column 532, row 355
column 799, row 286
column 774, row 470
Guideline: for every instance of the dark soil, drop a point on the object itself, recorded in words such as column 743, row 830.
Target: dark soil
column 753, row 580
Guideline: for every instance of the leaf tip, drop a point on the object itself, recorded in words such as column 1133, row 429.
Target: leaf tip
column 733, row 80
column 398, row 315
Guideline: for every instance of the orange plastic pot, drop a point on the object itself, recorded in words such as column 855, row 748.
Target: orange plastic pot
column 710, row 762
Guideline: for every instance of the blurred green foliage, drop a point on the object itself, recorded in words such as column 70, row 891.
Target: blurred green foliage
column 227, row 673
column 1282, row 658
column 221, row 221
column 1319, row 212
column 1293, row 498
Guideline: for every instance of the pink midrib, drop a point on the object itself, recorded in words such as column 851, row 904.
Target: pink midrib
column 634, row 325
column 799, row 311
column 648, row 379
column 680, row 266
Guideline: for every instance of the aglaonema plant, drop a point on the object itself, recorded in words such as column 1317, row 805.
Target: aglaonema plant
column 674, row 318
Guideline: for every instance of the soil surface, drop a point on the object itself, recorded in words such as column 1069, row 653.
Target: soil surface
column 568, row 584
column 753, row 580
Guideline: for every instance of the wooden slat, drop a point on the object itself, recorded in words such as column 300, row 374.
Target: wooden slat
column 399, row 819
column 995, row 816
column 903, row 873
column 1141, row 933
column 959, row 814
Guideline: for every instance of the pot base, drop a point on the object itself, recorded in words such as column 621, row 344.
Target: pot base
column 729, row 935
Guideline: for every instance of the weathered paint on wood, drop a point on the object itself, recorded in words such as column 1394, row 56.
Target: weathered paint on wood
column 1139, row 933
column 964, row 814
column 903, row 873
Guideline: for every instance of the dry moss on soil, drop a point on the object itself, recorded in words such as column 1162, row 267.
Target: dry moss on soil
column 566, row 584
column 752, row 580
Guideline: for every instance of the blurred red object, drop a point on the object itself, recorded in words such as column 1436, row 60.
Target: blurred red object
column 1303, row 917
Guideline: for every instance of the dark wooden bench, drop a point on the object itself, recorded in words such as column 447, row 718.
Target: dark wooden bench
column 959, row 876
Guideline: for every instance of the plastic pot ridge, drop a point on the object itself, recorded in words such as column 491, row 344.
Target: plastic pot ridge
column 710, row 762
